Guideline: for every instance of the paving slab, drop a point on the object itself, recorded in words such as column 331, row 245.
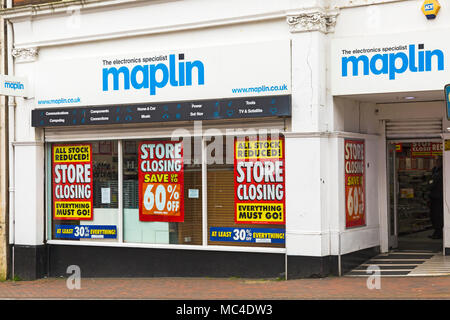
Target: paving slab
column 344, row 288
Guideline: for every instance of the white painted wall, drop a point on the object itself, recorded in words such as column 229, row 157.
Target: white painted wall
column 304, row 196
column 354, row 239
column 316, row 202
column 414, row 110
column 309, row 82
column 29, row 194
column 388, row 18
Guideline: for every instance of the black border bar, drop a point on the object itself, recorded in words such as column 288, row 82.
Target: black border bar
column 217, row 109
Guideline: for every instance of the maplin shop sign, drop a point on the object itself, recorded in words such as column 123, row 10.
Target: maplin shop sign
column 176, row 72
column 13, row 86
column 186, row 74
column 391, row 63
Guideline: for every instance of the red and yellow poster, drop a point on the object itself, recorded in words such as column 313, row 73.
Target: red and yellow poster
column 161, row 181
column 355, row 176
column 436, row 148
column 426, row 149
column 72, row 182
column 259, row 181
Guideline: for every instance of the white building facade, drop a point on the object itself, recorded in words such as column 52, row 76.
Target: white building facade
column 323, row 91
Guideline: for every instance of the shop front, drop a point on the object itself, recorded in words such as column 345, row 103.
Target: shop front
column 166, row 163
column 251, row 145
column 161, row 148
column 395, row 84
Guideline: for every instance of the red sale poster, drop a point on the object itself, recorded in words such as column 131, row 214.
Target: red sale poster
column 355, row 211
column 161, row 181
column 259, row 181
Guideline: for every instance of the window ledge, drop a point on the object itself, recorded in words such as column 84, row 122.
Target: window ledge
column 168, row 246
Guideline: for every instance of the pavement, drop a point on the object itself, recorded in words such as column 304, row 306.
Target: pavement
column 331, row 288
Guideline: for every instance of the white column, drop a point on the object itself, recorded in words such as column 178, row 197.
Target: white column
column 310, row 110
column 29, row 161
column 29, row 193
column 307, row 202
column 309, row 149
column 308, row 82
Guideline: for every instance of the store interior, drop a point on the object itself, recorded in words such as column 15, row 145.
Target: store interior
column 416, row 176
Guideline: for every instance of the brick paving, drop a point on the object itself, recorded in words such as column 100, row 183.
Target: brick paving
column 228, row 288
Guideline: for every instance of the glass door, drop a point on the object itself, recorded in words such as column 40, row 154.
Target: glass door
column 410, row 167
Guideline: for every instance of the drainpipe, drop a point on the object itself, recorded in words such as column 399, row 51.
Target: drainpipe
column 11, row 135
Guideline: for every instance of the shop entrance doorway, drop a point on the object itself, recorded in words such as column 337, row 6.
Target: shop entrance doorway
column 415, row 195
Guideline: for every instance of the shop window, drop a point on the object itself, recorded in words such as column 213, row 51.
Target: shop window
column 83, row 181
column 162, row 196
column 169, row 209
column 245, row 201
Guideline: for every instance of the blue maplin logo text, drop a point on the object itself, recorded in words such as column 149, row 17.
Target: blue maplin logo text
column 14, row 85
column 391, row 64
column 153, row 76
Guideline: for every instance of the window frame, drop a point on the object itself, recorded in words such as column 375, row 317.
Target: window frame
column 120, row 243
